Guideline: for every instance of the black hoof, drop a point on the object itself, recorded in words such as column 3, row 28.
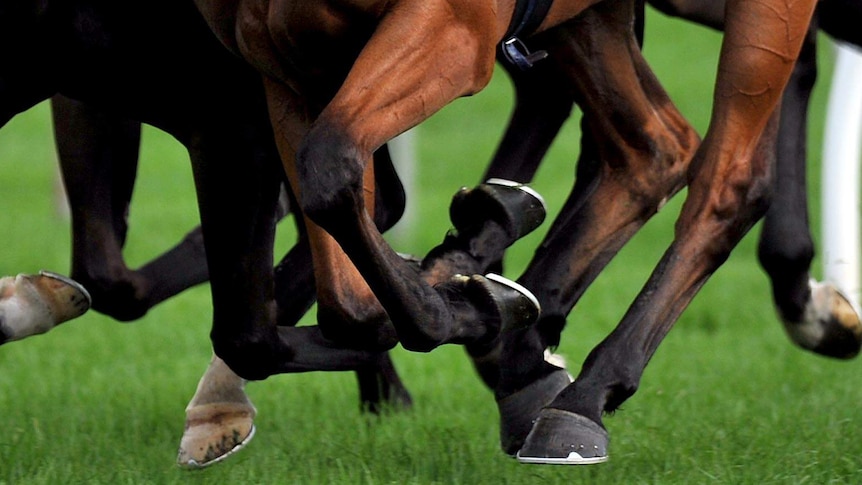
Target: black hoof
column 518, row 411
column 564, row 438
column 517, row 306
column 829, row 326
column 516, row 207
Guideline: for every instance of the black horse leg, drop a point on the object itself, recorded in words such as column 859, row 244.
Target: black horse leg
column 98, row 155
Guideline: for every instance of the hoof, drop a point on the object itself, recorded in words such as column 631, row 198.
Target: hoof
column 34, row 304
column 564, row 438
column 516, row 207
column 214, row 432
column 830, row 325
column 517, row 306
column 518, row 411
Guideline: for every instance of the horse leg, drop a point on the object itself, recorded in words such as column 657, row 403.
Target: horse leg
column 219, row 418
column 728, row 192
column 34, row 304
column 98, row 156
column 634, row 157
column 332, row 161
column 817, row 316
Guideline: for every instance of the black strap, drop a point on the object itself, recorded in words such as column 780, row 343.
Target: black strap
column 527, row 17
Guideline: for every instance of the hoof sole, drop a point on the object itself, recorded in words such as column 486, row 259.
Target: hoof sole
column 213, row 432
column 564, row 438
column 192, row 464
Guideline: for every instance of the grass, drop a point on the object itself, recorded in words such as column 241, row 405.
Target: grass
column 726, row 399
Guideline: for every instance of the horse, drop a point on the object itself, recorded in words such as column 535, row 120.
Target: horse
column 342, row 78
column 101, row 66
column 816, row 316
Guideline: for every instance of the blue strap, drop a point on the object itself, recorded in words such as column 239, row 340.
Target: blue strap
column 527, row 17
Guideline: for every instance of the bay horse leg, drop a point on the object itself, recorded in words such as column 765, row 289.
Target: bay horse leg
column 412, row 79
column 817, row 316
column 635, row 154
column 728, row 192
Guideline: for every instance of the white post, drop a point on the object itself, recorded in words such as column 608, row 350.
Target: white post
column 841, row 174
column 403, row 151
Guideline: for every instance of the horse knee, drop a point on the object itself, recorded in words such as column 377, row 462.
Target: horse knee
column 330, row 167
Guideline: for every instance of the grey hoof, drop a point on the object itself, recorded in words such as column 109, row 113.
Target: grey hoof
column 516, row 207
column 564, row 438
column 518, row 411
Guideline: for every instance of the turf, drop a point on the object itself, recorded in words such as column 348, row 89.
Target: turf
column 726, row 399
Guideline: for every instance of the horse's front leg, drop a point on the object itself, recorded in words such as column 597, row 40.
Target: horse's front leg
column 728, row 193
column 398, row 80
column 635, row 150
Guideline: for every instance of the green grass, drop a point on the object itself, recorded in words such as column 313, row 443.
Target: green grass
column 726, row 399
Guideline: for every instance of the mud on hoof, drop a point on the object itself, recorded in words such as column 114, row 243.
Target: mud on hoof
column 516, row 207
column 518, row 411
column 213, row 432
column 564, row 438
column 34, row 304
column 830, row 325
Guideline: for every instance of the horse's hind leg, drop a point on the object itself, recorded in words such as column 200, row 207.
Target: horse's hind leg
column 728, row 192
column 98, row 155
column 816, row 315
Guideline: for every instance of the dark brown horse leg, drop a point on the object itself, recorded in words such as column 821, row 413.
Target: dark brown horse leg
column 728, row 192
column 332, row 161
column 816, row 315
column 636, row 151
column 98, row 155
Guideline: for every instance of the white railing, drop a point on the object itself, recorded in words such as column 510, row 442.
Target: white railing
column 842, row 156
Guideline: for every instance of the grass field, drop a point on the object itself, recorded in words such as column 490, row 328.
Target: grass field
column 726, row 399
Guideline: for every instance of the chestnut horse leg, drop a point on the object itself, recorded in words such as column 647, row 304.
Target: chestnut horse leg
column 331, row 165
column 728, row 192
column 817, row 316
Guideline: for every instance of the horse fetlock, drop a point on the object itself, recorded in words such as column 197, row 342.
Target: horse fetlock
column 519, row 410
column 252, row 359
column 371, row 331
column 115, row 292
